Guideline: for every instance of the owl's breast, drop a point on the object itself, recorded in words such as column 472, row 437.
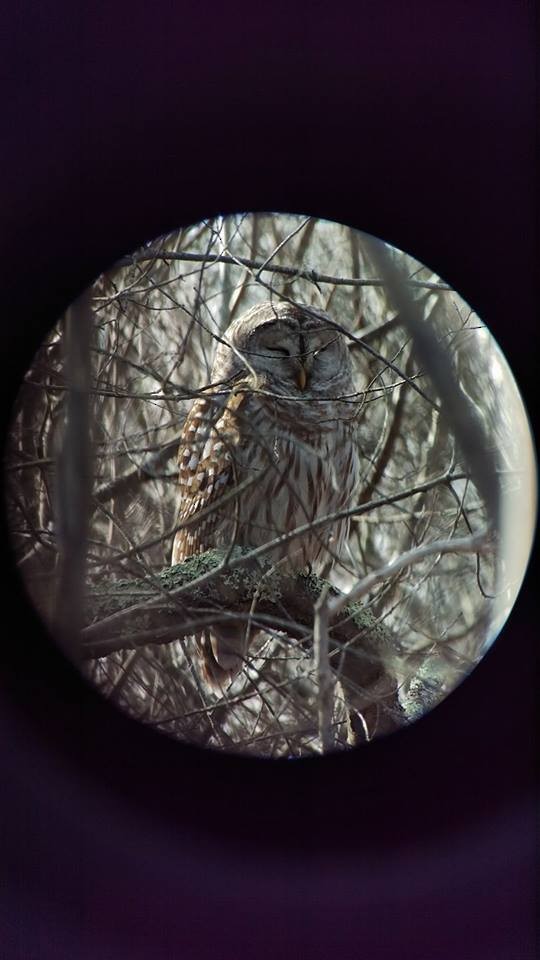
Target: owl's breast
column 299, row 476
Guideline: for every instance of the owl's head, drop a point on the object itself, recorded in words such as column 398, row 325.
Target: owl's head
column 291, row 350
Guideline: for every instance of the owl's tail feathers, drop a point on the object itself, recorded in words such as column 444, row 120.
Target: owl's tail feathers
column 222, row 654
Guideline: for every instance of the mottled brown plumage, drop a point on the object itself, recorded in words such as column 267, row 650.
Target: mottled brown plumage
column 267, row 451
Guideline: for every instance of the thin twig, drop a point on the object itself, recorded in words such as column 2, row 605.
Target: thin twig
column 476, row 543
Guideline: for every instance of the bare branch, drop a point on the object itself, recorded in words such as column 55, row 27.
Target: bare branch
column 129, row 481
column 467, row 426
column 260, row 266
column 476, row 543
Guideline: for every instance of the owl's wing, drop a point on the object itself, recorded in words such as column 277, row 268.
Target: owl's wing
column 206, row 461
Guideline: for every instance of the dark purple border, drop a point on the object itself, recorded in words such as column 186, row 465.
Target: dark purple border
column 413, row 121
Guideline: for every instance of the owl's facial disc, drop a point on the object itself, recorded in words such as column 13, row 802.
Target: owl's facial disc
column 294, row 358
column 293, row 355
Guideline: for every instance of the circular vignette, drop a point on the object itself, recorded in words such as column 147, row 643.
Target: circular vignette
column 304, row 371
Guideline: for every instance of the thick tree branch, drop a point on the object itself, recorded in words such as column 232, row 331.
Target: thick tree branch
column 356, row 649
column 131, row 613
column 475, row 440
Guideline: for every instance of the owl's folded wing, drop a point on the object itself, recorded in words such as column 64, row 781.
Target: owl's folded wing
column 206, row 461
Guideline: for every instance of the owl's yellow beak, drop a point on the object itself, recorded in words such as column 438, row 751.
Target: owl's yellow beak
column 301, row 378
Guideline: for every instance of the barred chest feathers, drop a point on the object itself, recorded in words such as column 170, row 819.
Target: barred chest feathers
column 304, row 473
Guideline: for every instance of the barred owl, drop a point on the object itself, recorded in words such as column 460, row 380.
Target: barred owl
column 268, row 448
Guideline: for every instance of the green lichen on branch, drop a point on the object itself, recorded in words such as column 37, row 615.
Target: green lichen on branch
column 190, row 596
column 363, row 618
column 131, row 613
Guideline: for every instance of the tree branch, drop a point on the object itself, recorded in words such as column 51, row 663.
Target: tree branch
column 131, row 613
column 475, row 440
column 132, row 478
column 476, row 543
column 356, row 649
column 263, row 265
